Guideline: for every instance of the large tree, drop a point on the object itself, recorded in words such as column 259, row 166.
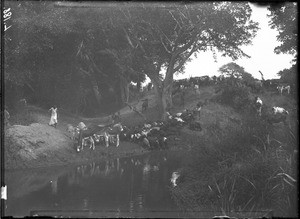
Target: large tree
column 165, row 36
column 284, row 19
column 232, row 70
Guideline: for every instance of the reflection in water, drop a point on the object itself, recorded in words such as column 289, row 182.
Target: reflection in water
column 131, row 206
column 135, row 184
column 140, row 202
column 53, row 186
column 175, row 176
column 85, row 204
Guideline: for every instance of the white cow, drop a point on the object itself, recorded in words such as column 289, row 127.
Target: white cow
column 282, row 88
column 279, row 110
column 258, row 105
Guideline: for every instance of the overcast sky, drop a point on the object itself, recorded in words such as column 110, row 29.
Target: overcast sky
column 262, row 54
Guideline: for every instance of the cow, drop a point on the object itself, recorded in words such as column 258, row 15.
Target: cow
column 279, row 110
column 83, row 132
column 88, row 141
column 279, row 114
column 101, row 137
column 113, row 133
column 258, row 105
column 282, row 88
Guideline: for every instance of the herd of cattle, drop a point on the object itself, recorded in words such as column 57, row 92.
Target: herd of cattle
column 255, row 84
column 153, row 135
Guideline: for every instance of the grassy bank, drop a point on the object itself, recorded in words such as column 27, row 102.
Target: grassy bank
column 249, row 170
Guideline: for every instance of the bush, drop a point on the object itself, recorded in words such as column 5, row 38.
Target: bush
column 237, row 97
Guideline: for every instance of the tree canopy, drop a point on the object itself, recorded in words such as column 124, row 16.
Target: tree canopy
column 284, row 18
column 90, row 54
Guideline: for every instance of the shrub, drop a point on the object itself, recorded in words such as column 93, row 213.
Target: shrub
column 245, row 172
column 234, row 96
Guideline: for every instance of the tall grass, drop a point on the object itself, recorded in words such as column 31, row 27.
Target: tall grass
column 246, row 174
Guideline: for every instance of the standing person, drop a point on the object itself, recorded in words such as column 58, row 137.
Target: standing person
column 53, row 119
column 198, row 109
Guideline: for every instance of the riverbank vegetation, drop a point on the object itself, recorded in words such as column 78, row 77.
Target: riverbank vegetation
column 247, row 171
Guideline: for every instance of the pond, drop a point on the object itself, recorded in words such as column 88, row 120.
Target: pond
column 124, row 187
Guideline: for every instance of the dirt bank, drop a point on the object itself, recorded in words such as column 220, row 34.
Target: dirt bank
column 40, row 145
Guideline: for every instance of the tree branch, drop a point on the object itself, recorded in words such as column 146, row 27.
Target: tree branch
column 186, row 58
column 162, row 42
column 188, row 45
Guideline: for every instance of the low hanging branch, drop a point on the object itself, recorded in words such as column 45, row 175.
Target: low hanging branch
column 135, row 110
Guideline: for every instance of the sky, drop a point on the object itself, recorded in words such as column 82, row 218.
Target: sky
column 261, row 51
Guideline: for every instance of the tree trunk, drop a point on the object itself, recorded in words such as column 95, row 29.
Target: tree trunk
column 96, row 90
column 124, row 87
column 164, row 98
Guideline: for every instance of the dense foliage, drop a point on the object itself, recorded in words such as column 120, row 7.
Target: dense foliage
column 284, row 18
column 84, row 58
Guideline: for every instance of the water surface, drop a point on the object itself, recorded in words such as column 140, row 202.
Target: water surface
column 130, row 187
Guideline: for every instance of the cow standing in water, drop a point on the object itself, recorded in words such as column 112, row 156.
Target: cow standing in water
column 53, row 119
